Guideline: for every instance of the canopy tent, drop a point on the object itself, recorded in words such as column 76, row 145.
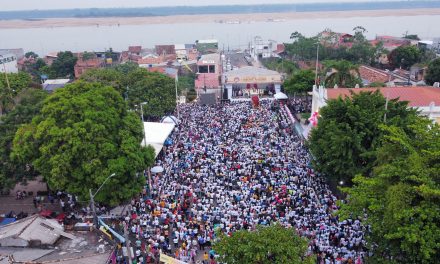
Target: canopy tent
column 280, row 96
column 170, row 119
column 156, row 134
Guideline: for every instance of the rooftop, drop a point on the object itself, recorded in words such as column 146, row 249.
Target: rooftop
column 416, row 96
column 250, row 70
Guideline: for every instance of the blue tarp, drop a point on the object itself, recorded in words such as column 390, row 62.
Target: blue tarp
column 6, row 221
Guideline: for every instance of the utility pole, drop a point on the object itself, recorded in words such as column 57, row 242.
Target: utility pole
column 127, row 242
column 316, row 64
column 386, row 109
column 92, row 203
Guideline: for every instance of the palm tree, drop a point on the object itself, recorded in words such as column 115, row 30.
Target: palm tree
column 342, row 73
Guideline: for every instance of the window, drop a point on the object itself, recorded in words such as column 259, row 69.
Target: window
column 212, row 68
column 203, row 69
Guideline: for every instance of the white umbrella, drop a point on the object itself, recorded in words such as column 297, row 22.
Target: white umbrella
column 157, row 169
column 280, row 96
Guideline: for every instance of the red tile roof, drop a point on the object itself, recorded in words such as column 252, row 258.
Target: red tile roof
column 135, row 49
column 416, row 96
column 372, row 74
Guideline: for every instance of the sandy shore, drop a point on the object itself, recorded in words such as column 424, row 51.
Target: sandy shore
column 225, row 18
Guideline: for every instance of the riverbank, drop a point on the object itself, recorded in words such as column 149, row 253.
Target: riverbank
column 219, row 18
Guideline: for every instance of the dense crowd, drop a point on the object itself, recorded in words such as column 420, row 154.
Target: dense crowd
column 233, row 167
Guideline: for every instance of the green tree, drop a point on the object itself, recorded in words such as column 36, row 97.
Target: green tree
column 433, row 72
column 342, row 73
column 347, row 134
column 106, row 76
column 402, row 196
column 300, row 82
column 274, row 244
column 404, row 56
column 280, row 65
column 31, row 54
column 29, row 103
column 17, row 82
column 83, row 134
column 185, row 83
column 157, row 89
column 127, row 67
column 64, row 64
column 302, row 48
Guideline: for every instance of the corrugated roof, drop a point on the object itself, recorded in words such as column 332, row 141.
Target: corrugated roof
column 416, row 96
column 34, row 228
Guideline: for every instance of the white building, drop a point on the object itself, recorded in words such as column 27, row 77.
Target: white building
column 8, row 63
column 263, row 49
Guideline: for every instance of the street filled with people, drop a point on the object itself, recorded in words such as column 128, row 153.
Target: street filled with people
column 233, row 166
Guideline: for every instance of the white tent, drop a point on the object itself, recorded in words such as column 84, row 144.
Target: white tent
column 170, row 119
column 156, row 134
column 280, row 96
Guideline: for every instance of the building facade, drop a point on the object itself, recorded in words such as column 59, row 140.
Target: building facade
column 8, row 63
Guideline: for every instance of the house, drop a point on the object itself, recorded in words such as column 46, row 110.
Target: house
column 50, row 58
column 165, row 50
column 370, row 75
column 30, row 231
column 426, row 99
column 335, row 39
column 390, row 43
column 135, row 50
column 82, row 66
column 39, row 240
column 53, row 84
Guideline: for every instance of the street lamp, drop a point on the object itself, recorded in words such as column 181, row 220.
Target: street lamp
column 92, row 201
column 145, row 142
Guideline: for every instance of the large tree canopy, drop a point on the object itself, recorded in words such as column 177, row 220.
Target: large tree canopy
column 272, row 245
column 300, row 82
column 63, row 65
column 433, row 72
column 10, row 86
column 83, row 134
column 137, row 86
column 347, row 134
column 156, row 89
column 402, row 196
column 29, row 103
column 405, row 56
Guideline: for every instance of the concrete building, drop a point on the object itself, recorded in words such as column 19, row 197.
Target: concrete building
column 425, row 99
column 8, row 63
column 209, row 71
column 82, row 66
column 261, row 49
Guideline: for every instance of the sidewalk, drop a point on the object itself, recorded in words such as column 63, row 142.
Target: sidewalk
column 26, row 205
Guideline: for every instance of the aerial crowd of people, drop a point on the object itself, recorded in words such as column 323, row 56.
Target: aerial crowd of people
column 234, row 166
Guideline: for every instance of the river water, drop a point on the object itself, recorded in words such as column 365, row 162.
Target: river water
column 99, row 38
